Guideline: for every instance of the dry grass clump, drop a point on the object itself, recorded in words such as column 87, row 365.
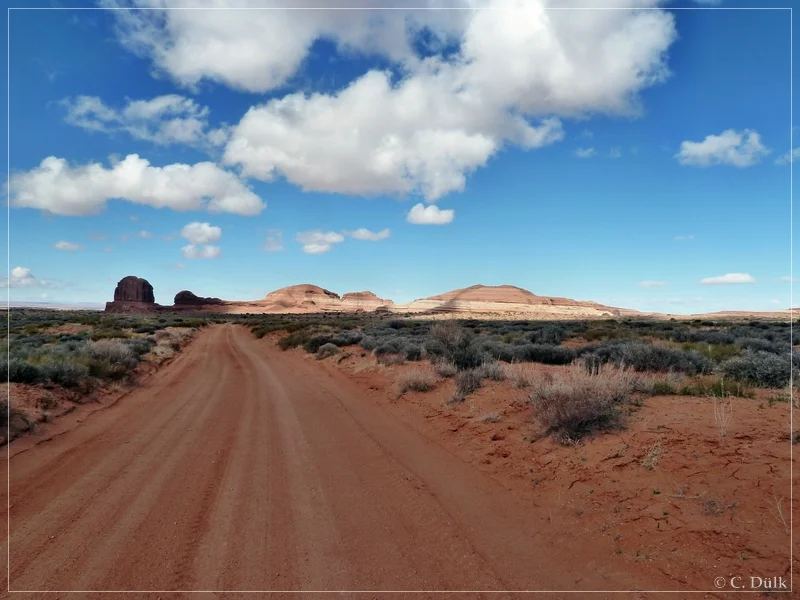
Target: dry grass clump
column 445, row 369
column 651, row 457
column 327, row 350
column 393, row 358
column 467, row 382
column 491, row 418
column 416, row 380
column 576, row 403
column 493, row 370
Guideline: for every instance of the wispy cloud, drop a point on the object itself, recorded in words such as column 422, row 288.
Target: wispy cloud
column 369, row 236
column 681, row 238
column 274, row 241
column 585, row 152
column 728, row 278
column 615, row 152
column 650, row 284
column 67, row 246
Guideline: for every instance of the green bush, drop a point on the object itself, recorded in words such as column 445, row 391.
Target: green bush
column 17, row 370
column 65, row 373
column 540, row 353
column 763, row 369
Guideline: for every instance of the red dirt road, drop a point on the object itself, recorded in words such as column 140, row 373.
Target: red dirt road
column 239, row 467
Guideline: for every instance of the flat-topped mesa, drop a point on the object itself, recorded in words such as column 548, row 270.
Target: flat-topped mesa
column 187, row 298
column 133, row 294
column 365, row 297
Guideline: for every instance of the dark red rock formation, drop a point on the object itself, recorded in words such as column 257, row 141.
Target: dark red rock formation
column 134, row 289
column 133, row 294
column 187, row 298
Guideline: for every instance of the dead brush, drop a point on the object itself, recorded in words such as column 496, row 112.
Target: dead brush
column 577, row 402
column 416, row 380
column 651, row 457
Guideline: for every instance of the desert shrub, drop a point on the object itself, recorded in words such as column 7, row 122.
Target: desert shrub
column 648, row 357
column 763, row 369
column 391, row 358
column 293, row 340
column 548, row 334
column 106, row 334
column 549, row 355
column 467, row 356
column 716, row 352
column 435, row 348
column 412, row 351
column 575, row 403
column 467, row 382
column 17, row 370
column 445, row 369
column 368, row 343
column 762, row 345
column 493, row 370
column 708, row 385
column 327, row 350
column 65, row 373
column 500, row 350
column 415, row 381
column 451, row 335
column 112, row 351
column 316, row 342
column 347, row 338
column 140, row 346
column 389, row 347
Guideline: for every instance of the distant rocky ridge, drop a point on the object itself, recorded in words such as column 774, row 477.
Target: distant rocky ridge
column 134, row 294
column 187, row 298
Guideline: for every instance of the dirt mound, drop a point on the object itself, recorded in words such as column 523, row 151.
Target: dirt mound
column 187, row 298
column 509, row 300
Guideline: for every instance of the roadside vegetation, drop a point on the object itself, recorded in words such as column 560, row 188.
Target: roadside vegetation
column 605, row 368
column 594, row 369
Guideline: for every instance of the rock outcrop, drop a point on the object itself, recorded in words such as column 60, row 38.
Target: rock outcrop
column 187, row 298
column 134, row 289
column 133, row 294
column 363, row 301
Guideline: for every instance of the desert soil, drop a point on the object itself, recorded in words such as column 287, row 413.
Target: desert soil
column 241, row 467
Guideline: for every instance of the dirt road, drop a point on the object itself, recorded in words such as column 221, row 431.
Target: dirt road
column 239, row 467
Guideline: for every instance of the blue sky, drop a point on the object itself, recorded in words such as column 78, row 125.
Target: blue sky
column 633, row 158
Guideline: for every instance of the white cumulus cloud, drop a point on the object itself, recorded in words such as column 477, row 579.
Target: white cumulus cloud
column 370, row 236
column 736, row 148
column 21, row 277
column 430, row 215
column 61, row 189
column 67, row 246
column 201, row 233
column 163, row 120
column 424, row 126
column 317, row 241
column 728, row 278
